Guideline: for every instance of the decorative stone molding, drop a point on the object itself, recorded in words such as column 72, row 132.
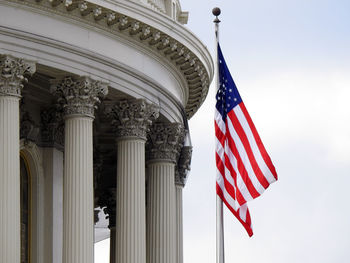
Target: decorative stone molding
column 110, row 206
column 52, row 127
column 96, row 218
column 165, row 142
column 190, row 64
column 12, row 74
column 183, row 166
column 132, row 118
column 79, row 96
column 29, row 131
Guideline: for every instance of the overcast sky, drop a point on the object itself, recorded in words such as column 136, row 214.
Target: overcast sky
column 290, row 60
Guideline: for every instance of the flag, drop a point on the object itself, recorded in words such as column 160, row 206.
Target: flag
column 244, row 169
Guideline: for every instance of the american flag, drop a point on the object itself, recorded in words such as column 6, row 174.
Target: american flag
column 244, row 169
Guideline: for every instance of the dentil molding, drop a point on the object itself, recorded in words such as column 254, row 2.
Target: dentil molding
column 138, row 24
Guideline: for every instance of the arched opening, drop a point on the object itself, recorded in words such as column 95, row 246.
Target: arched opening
column 25, row 179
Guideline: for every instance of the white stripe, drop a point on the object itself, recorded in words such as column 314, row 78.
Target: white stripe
column 220, row 180
column 227, row 196
column 241, row 151
column 243, row 212
column 229, row 199
column 219, row 148
column 220, row 152
column 240, row 183
column 257, row 154
column 234, row 198
column 220, row 122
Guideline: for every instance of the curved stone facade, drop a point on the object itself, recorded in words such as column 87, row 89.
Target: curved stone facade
column 103, row 90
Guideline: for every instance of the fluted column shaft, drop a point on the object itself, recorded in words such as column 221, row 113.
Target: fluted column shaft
column 10, row 245
column 181, row 174
column 161, row 213
column 165, row 142
column 131, row 120
column 78, row 191
column 179, row 224
column 12, row 71
column 131, row 217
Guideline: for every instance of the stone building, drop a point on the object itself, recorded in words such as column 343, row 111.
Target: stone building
column 94, row 101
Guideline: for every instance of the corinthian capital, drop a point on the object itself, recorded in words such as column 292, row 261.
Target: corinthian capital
column 183, row 166
column 165, row 142
column 12, row 74
column 132, row 118
column 79, row 96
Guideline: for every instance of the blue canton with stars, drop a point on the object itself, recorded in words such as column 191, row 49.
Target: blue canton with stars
column 227, row 96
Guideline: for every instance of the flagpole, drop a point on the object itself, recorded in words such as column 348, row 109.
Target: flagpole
column 220, row 255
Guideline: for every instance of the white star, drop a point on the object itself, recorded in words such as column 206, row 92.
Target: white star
column 235, row 99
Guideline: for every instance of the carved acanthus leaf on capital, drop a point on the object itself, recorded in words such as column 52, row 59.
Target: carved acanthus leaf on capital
column 79, row 96
column 183, row 166
column 12, row 74
column 165, row 142
column 132, row 118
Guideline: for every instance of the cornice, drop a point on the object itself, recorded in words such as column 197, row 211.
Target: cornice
column 149, row 28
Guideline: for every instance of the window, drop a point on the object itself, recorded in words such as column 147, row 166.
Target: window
column 25, row 210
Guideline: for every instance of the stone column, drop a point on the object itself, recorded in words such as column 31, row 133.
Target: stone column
column 181, row 173
column 179, row 224
column 131, row 120
column 79, row 98
column 12, row 71
column 163, row 151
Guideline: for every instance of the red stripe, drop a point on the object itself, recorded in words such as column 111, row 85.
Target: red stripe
column 261, row 147
column 235, row 193
column 229, row 188
column 236, row 214
column 239, row 197
column 253, row 192
column 244, row 139
column 219, row 134
column 220, row 165
column 248, row 219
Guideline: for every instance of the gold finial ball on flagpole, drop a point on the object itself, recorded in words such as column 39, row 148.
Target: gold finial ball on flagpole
column 216, row 12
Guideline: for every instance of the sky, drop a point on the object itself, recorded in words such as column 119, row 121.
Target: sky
column 290, row 60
